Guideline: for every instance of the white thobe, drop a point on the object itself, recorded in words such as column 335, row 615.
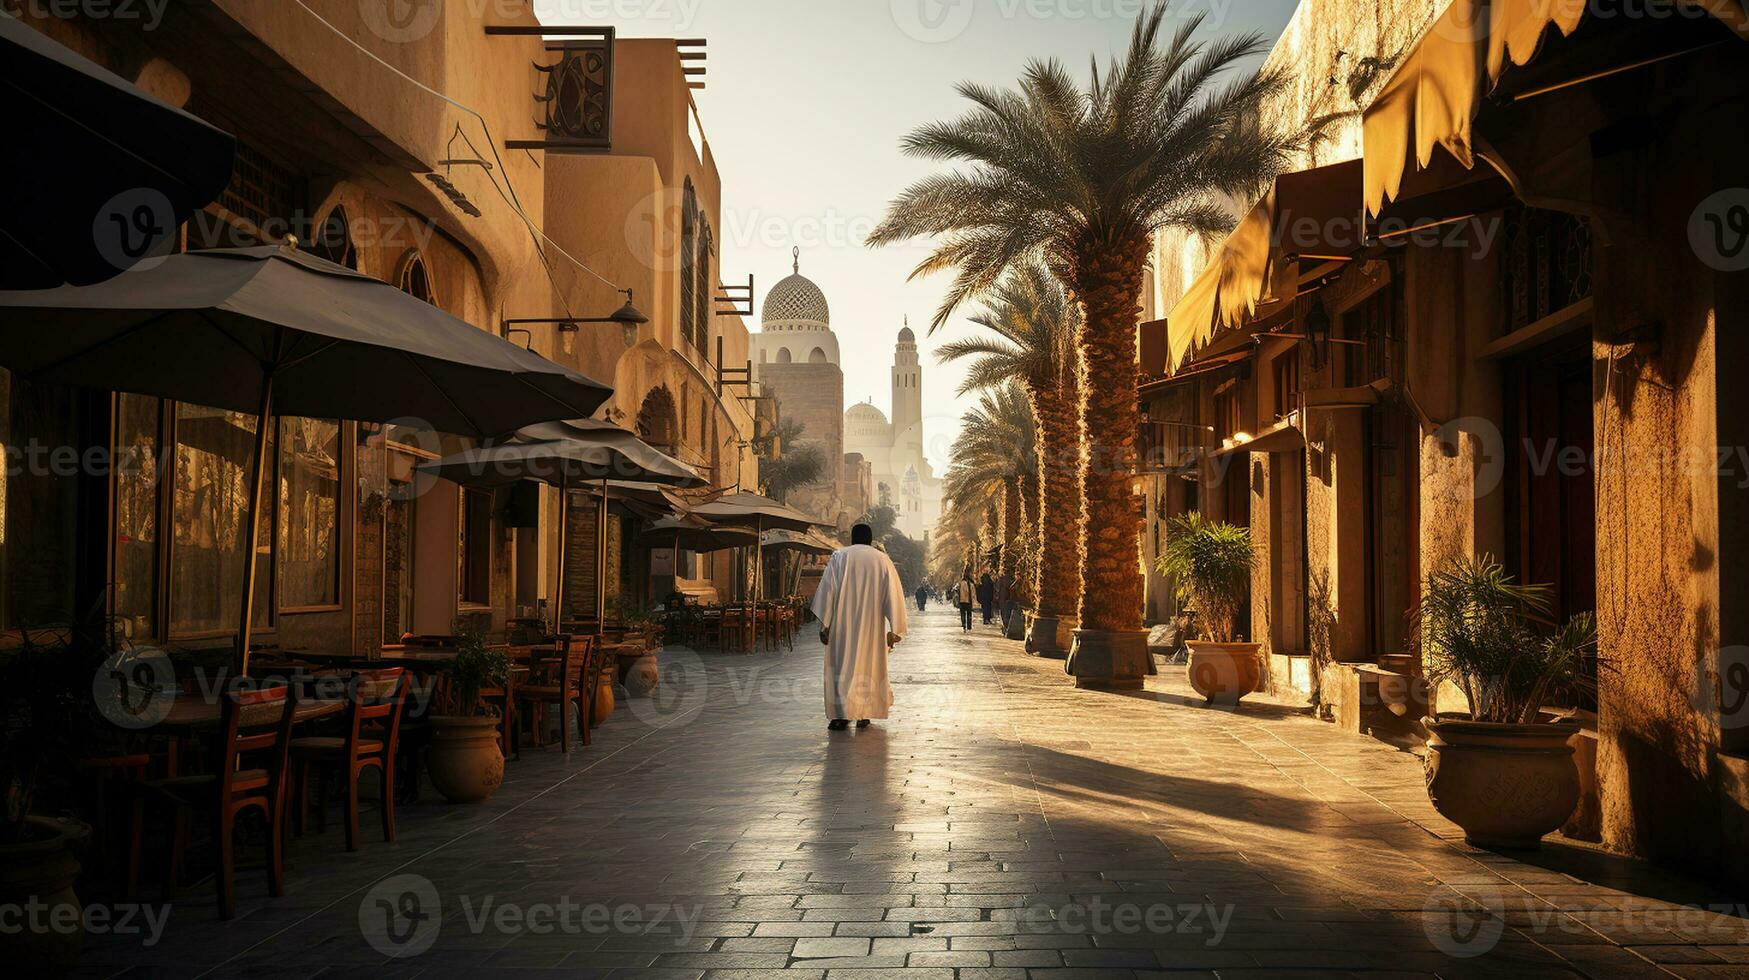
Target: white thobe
column 859, row 600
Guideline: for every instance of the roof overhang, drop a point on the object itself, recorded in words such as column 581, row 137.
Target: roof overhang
column 1309, row 218
column 1284, row 436
column 1477, row 54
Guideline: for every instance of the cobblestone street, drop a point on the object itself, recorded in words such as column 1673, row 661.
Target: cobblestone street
column 1001, row 824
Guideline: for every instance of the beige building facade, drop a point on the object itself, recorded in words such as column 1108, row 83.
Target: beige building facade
column 413, row 152
column 1525, row 357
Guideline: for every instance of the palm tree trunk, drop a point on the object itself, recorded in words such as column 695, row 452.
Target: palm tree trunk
column 1058, row 586
column 1110, row 648
column 1012, row 522
column 1031, row 504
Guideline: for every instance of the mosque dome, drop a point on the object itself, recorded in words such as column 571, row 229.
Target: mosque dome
column 906, row 336
column 796, row 299
column 865, row 412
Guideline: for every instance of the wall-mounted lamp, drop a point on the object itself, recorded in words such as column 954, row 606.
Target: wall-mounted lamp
column 628, row 317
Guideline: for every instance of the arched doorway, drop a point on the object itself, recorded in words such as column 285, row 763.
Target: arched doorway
column 658, row 422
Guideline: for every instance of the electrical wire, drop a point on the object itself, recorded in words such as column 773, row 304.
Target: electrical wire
column 510, row 198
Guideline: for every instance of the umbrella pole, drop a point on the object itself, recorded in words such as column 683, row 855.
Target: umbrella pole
column 601, row 564
column 252, row 539
column 564, row 550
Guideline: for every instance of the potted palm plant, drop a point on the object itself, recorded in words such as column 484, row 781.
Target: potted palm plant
column 48, row 722
column 1502, row 770
column 465, row 760
column 1210, row 564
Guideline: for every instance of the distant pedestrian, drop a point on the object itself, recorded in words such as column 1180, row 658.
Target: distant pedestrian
column 922, row 597
column 987, row 597
column 963, row 594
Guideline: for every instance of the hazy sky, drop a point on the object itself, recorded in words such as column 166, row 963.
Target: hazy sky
column 805, row 103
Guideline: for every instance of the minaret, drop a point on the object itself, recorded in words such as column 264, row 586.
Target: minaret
column 907, row 391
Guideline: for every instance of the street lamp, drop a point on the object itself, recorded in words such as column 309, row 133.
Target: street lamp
column 629, row 318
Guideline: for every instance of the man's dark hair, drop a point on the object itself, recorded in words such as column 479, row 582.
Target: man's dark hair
column 862, row 534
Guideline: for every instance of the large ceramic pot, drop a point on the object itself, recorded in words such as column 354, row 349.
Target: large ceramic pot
column 1109, row 660
column 604, row 699
column 1048, row 636
column 1505, row 785
column 464, row 759
column 1223, row 673
column 38, row 872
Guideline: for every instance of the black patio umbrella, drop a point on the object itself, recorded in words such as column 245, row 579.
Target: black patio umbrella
column 564, row 454
column 746, row 509
column 103, row 174
column 698, row 536
column 274, row 331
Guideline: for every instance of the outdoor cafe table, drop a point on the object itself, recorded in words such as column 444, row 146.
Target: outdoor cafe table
column 189, row 713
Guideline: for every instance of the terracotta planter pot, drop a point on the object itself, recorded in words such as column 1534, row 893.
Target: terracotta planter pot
column 39, row 872
column 1505, row 785
column 1223, row 673
column 464, row 759
column 604, row 700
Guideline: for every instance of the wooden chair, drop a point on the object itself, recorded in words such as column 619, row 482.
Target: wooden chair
column 562, row 680
column 255, row 723
column 737, row 629
column 370, row 731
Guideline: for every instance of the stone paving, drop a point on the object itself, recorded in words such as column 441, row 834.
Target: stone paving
column 1000, row 825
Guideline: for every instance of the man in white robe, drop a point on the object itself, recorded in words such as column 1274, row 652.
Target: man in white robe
column 861, row 607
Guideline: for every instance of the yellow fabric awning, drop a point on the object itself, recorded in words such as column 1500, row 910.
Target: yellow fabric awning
column 1312, row 213
column 1434, row 96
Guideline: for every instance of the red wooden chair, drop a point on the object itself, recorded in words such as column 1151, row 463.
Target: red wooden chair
column 567, row 680
column 256, row 724
column 370, row 730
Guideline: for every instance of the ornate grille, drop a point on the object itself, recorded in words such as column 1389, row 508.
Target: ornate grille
column 701, row 294
column 576, row 99
column 688, row 250
column 1545, row 264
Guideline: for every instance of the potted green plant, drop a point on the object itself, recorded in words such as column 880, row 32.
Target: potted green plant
column 465, row 760
column 1210, row 564
column 48, row 723
column 1502, row 770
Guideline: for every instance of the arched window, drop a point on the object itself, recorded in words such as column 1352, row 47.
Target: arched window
column 414, row 279
column 657, row 424
column 702, row 294
column 817, row 356
column 333, row 240
column 783, row 355
column 688, row 257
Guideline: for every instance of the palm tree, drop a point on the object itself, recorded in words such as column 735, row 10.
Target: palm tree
column 996, row 448
column 1082, row 179
column 1034, row 341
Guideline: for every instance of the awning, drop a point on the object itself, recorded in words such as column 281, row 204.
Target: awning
column 1282, row 437
column 100, row 174
column 1433, row 98
column 1307, row 217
